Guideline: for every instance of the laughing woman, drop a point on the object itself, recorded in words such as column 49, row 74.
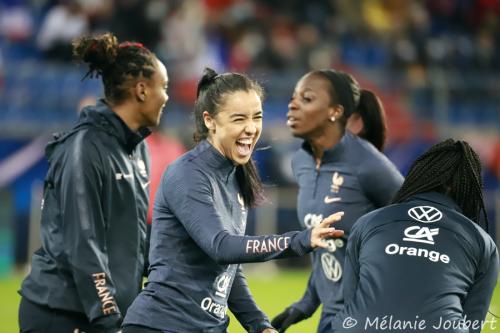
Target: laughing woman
column 200, row 216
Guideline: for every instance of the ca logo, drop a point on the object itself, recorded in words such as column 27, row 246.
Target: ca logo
column 425, row 214
column 221, row 284
column 331, row 267
column 420, row 234
column 312, row 220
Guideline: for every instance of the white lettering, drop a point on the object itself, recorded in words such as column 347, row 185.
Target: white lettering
column 433, row 256
column 209, row 305
column 267, row 245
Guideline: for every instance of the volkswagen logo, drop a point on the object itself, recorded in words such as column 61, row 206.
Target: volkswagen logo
column 425, row 214
column 331, row 267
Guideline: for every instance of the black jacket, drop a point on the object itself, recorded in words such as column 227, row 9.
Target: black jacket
column 93, row 225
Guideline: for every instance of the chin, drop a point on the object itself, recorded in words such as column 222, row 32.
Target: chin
column 297, row 134
column 241, row 160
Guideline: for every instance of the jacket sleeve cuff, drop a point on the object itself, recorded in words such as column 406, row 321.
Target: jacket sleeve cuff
column 108, row 324
column 301, row 242
column 261, row 325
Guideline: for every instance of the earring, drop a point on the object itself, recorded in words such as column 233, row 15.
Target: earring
column 332, row 119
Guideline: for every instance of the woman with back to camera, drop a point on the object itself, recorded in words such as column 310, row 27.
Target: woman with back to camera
column 93, row 226
column 424, row 261
column 198, row 234
column 336, row 171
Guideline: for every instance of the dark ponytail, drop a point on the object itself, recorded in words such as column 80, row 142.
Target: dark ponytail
column 344, row 90
column 119, row 64
column 372, row 112
column 211, row 93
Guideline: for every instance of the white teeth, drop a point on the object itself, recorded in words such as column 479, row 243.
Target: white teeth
column 245, row 141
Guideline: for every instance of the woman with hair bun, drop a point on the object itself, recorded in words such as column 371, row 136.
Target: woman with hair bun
column 198, row 235
column 93, row 226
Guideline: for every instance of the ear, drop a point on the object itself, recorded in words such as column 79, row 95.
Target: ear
column 338, row 111
column 355, row 123
column 141, row 91
column 209, row 121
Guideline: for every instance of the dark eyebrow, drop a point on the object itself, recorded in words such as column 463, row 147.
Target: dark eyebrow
column 234, row 115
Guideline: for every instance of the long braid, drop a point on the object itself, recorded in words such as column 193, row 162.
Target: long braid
column 474, row 166
column 452, row 168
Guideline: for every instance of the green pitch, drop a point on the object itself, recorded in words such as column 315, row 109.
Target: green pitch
column 272, row 293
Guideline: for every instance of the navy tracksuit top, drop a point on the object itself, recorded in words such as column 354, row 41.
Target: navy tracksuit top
column 420, row 263
column 197, row 243
column 353, row 177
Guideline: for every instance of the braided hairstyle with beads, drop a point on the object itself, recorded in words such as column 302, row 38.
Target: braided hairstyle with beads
column 451, row 168
column 120, row 65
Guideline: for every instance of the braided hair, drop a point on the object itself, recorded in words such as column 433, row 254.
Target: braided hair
column 120, row 65
column 452, row 168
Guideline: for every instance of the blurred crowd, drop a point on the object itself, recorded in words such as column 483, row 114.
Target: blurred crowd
column 432, row 59
column 271, row 34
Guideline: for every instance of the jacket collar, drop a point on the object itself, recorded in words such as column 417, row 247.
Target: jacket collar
column 102, row 116
column 330, row 154
column 436, row 198
column 222, row 165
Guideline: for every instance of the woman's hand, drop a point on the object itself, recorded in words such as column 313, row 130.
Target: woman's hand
column 323, row 230
column 269, row 330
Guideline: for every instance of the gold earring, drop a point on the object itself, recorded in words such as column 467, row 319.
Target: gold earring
column 332, row 119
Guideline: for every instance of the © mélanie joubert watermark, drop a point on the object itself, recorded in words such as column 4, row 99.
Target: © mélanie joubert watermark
column 391, row 323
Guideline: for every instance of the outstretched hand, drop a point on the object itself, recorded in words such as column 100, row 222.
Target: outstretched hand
column 323, row 230
column 269, row 330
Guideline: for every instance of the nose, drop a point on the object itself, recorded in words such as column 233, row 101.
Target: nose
column 292, row 105
column 250, row 128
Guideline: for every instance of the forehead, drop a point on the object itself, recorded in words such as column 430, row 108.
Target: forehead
column 161, row 71
column 241, row 101
column 313, row 82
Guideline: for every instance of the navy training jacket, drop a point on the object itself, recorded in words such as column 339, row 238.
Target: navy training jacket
column 93, row 224
column 353, row 177
column 197, row 244
column 418, row 266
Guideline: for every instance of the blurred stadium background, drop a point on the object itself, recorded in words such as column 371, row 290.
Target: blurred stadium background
column 434, row 64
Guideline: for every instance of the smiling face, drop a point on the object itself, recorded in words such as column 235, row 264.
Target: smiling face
column 156, row 97
column 236, row 128
column 310, row 107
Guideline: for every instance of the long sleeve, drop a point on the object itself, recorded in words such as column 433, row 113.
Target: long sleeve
column 478, row 299
column 310, row 300
column 189, row 195
column 242, row 305
column 380, row 180
column 84, row 229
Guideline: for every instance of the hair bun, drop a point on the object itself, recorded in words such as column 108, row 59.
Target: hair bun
column 209, row 76
column 99, row 52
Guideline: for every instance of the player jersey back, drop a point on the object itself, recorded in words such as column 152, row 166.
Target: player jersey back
column 417, row 266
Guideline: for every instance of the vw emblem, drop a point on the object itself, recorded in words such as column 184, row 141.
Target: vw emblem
column 331, row 267
column 425, row 214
